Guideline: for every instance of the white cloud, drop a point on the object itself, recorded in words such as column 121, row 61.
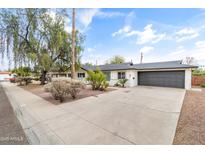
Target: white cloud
column 200, row 44
column 178, row 51
column 94, row 58
column 122, row 31
column 187, row 33
column 146, row 49
column 109, row 14
column 86, row 16
column 90, row 50
column 130, row 18
column 147, row 36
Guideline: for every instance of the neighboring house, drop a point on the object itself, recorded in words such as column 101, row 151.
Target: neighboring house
column 5, row 76
column 162, row 74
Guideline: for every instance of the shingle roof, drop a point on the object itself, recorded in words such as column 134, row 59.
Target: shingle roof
column 125, row 66
column 107, row 67
column 5, row 72
column 163, row 65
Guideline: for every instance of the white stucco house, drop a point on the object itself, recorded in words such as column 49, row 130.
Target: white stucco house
column 163, row 74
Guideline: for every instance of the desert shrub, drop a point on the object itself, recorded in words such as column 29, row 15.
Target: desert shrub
column 62, row 87
column 74, row 87
column 23, row 74
column 59, row 89
column 121, row 82
column 23, row 80
column 203, row 85
column 97, row 79
column 47, row 87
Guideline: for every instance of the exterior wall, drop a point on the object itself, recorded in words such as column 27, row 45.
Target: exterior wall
column 113, row 78
column 131, row 75
column 188, row 74
column 56, row 74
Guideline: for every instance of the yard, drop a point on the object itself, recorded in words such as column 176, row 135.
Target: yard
column 191, row 125
column 38, row 90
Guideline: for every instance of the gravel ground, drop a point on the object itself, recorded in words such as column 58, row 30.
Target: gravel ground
column 39, row 91
column 11, row 131
column 191, row 125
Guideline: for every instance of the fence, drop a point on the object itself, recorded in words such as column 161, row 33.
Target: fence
column 198, row 80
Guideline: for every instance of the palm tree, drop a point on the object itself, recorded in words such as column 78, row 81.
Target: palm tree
column 73, row 58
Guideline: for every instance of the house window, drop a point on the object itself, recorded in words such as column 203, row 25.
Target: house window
column 81, row 75
column 62, row 75
column 69, row 75
column 54, row 75
column 121, row 75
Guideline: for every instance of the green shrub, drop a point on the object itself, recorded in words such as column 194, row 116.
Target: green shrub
column 62, row 87
column 121, row 82
column 117, row 84
column 22, row 71
column 203, row 85
column 198, row 72
column 97, row 79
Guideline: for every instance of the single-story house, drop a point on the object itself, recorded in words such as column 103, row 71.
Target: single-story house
column 163, row 74
column 4, row 76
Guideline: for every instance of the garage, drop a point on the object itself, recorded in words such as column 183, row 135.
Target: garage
column 175, row 79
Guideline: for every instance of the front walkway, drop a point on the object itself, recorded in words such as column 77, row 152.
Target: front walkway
column 142, row 115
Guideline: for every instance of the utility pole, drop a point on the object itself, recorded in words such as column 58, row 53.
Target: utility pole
column 141, row 57
column 73, row 60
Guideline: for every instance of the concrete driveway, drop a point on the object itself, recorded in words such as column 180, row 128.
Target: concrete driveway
column 139, row 115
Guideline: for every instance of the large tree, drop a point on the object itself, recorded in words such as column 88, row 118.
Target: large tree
column 116, row 60
column 37, row 37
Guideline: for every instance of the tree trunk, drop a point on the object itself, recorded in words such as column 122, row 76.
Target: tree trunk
column 73, row 60
column 43, row 77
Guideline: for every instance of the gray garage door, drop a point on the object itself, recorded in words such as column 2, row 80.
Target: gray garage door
column 162, row 79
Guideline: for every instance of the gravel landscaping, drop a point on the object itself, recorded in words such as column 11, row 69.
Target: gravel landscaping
column 39, row 91
column 191, row 125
